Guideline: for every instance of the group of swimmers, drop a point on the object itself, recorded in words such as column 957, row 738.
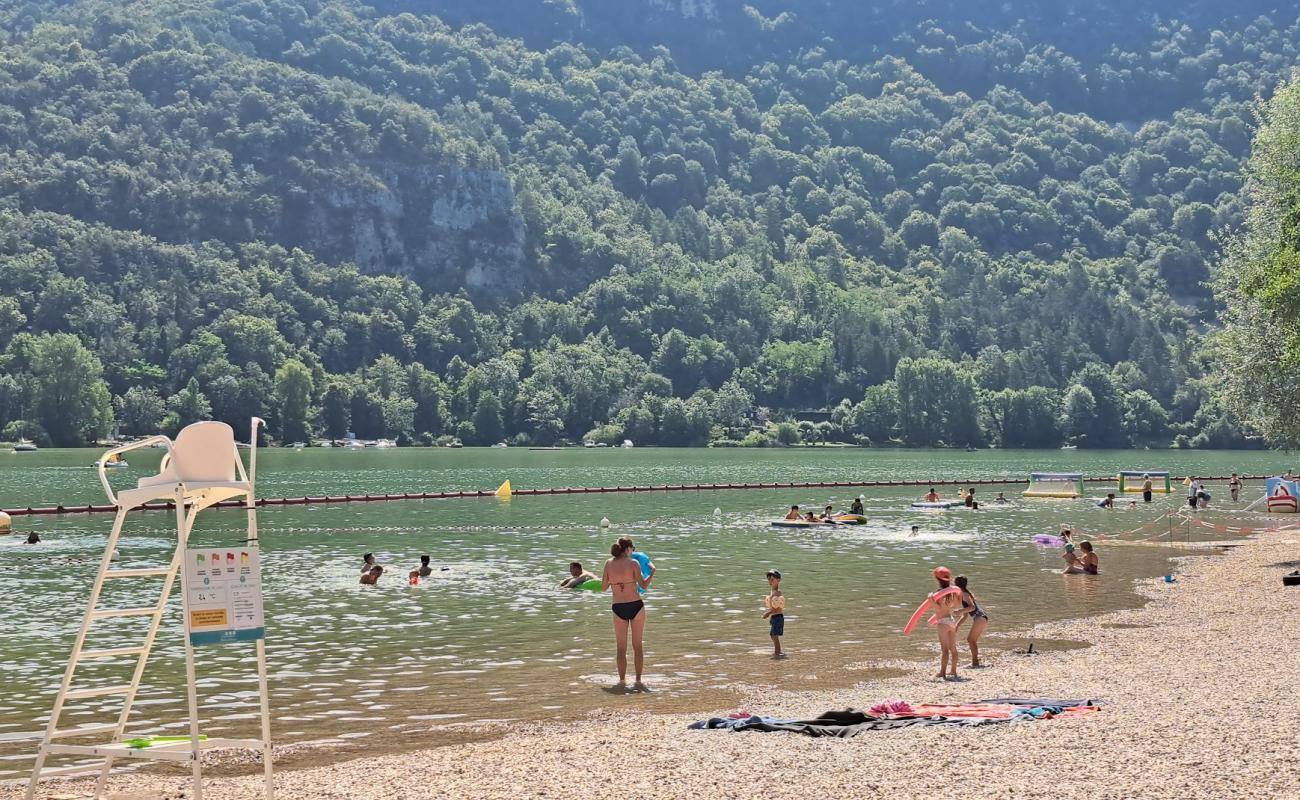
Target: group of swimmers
column 1084, row 562
column 371, row 571
column 828, row 515
column 964, row 496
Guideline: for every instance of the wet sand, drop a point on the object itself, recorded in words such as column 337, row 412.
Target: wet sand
column 1199, row 686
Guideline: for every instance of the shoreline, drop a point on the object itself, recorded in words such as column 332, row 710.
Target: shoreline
column 1199, row 683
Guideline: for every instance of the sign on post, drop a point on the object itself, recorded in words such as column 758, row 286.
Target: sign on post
column 223, row 595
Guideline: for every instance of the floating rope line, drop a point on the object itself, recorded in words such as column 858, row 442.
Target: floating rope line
column 265, row 502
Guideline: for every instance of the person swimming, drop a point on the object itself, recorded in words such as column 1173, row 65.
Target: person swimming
column 1088, row 560
column 856, row 507
column 932, row 496
column 793, row 514
column 1001, row 498
column 367, row 562
column 425, row 569
column 1072, row 564
column 33, row 538
column 577, row 576
column 828, row 514
column 371, row 578
column 622, row 576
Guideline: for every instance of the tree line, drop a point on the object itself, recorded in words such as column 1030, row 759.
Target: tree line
column 921, row 256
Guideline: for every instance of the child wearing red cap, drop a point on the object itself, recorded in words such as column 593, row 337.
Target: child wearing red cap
column 949, row 613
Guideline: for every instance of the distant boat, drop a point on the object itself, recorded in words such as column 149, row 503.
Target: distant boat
column 546, row 449
column 297, row 445
column 588, row 444
column 1069, row 447
column 627, row 443
column 24, row 446
column 455, row 443
column 353, row 444
column 382, row 444
column 500, row 444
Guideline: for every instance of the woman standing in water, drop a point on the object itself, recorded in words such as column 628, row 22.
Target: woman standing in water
column 978, row 620
column 623, row 576
column 950, row 613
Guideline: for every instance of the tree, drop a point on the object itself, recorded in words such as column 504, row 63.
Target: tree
column 69, row 397
column 293, row 393
column 1079, row 414
column 336, row 409
column 487, row 419
column 186, row 407
column 1258, row 350
column 140, row 411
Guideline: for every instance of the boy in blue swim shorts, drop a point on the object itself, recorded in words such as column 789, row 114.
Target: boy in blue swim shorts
column 774, row 611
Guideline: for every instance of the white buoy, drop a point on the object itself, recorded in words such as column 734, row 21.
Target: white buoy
column 862, row 497
column 604, row 522
column 717, row 512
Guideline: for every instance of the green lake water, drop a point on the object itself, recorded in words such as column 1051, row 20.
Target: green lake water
column 492, row 639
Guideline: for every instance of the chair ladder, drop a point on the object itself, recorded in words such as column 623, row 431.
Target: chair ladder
column 49, row 744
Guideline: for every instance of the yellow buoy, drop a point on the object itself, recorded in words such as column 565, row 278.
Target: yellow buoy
column 503, row 491
column 6, row 524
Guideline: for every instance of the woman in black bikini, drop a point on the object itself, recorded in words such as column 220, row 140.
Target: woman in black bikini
column 623, row 576
column 978, row 620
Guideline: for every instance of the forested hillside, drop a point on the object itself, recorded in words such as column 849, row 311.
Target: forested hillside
column 673, row 221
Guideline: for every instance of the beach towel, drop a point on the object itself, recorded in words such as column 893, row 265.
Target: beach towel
column 839, row 724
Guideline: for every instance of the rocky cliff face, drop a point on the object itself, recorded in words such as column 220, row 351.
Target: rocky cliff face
column 444, row 226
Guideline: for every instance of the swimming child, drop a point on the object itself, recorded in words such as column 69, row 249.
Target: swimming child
column 916, row 530
column 367, row 562
column 371, row 578
column 425, row 570
column 932, row 496
column 774, row 604
column 33, row 538
column 1001, row 498
column 1072, row 564
column 794, row 513
column 828, row 515
column 1109, row 502
column 856, row 506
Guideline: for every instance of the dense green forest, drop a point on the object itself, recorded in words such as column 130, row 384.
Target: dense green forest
column 673, row 221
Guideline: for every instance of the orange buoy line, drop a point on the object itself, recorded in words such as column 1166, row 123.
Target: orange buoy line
column 704, row 487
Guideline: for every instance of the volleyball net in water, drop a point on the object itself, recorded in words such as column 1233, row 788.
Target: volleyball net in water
column 265, row 502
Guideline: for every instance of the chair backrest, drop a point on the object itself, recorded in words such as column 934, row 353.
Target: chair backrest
column 203, row 451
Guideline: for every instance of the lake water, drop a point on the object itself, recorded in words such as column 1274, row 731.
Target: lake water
column 492, row 639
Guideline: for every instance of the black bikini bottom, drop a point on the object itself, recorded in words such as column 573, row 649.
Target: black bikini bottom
column 628, row 611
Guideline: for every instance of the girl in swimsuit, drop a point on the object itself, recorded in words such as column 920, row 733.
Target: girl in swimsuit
column 623, row 576
column 950, row 613
column 978, row 620
column 1089, row 559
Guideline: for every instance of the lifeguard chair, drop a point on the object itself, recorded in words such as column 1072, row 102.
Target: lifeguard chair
column 200, row 469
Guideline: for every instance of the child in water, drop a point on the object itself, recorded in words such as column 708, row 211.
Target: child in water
column 774, row 604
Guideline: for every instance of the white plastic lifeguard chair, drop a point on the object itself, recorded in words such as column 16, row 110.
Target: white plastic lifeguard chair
column 200, row 469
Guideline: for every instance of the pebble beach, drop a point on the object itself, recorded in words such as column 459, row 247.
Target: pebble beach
column 1199, row 690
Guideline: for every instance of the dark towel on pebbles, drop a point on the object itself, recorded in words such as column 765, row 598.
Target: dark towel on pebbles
column 1041, row 701
column 840, row 724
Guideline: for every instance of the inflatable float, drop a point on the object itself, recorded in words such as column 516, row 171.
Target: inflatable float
column 937, row 504
column 644, row 561
column 850, row 519
column 1048, row 539
column 926, row 606
column 592, row 585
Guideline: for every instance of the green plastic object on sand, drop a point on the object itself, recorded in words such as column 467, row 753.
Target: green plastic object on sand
column 141, row 742
column 592, row 585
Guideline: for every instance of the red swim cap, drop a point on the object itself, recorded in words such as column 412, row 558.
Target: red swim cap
column 942, row 573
